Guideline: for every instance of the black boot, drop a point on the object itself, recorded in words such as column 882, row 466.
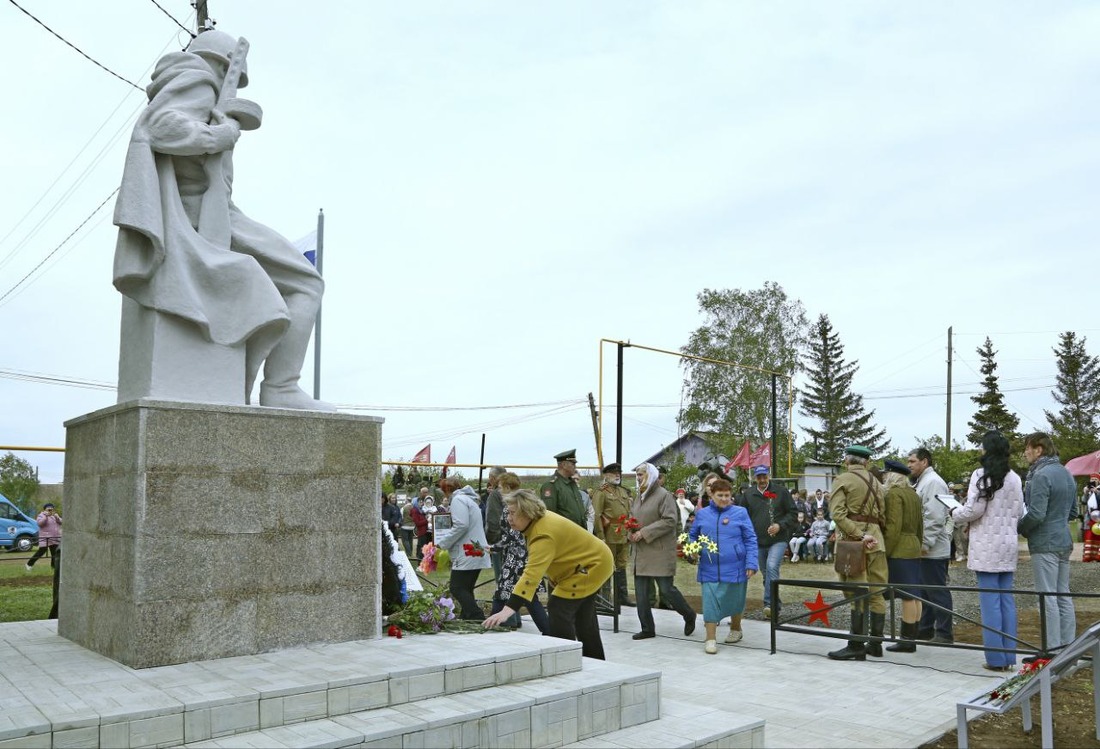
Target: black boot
column 908, row 639
column 854, row 650
column 620, row 588
column 878, row 624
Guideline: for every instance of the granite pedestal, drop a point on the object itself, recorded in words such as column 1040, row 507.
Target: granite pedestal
column 197, row 531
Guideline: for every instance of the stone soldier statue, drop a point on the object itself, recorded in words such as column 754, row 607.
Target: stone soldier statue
column 610, row 502
column 207, row 288
column 561, row 494
column 858, row 507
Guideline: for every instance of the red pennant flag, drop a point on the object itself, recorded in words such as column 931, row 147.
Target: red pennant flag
column 762, row 456
column 741, row 459
column 451, row 456
column 424, row 456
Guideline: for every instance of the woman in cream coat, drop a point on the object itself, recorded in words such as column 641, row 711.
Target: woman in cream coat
column 994, row 503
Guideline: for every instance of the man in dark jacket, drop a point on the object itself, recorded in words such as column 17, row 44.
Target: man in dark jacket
column 1050, row 496
column 773, row 518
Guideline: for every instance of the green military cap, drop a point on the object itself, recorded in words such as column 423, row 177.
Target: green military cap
column 858, row 450
column 566, row 455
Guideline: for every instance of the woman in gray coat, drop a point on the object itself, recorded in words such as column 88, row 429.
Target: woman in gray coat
column 654, row 550
column 466, row 543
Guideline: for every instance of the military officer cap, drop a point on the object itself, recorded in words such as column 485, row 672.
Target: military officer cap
column 896, row 466
column 612, row 468
column 858, row 450
column 566, row 455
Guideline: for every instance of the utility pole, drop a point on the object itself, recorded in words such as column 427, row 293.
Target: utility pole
column 949, row 358
column 317, row 323
column 619, row 407
column 202, row 16
column 595, row 429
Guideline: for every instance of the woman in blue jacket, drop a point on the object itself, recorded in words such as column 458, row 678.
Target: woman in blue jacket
column 724, row 573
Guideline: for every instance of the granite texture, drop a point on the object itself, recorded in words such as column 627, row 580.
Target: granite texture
column 197, row 531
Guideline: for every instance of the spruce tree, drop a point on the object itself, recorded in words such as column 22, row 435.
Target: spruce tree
column 1077, row 390
column 992, row 413
column 828, row 397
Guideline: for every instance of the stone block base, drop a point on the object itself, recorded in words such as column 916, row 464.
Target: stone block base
column 196, row 531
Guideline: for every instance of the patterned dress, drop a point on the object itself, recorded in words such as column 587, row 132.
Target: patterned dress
column 513, row 558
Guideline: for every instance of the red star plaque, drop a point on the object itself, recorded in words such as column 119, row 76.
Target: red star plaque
column 819, row 609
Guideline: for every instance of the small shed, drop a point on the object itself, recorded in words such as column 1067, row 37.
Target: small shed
column 817, row 475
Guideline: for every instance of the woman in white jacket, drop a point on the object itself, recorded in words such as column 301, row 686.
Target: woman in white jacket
column 994, row 503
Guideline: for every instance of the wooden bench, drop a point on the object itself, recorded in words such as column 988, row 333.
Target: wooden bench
column 1064, row 663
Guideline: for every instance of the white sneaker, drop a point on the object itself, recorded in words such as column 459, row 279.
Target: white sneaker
column 767, row 612
column 710, row 647
column 28, row 567
column 795, row 559
column 734, row 636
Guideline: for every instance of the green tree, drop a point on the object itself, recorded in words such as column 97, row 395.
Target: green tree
column 828, row 397
column 992, row 413
column 1077, row 390
column 18, row 482
column 760, row 329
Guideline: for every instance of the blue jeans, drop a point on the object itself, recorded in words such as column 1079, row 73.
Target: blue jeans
column 768, row 559
column 934, row 620
column 998, row 612
column 1052, row 576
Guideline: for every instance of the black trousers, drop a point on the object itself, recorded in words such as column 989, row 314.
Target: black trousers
column 462, row 590
column 575, row 619
column 934, row 572
column 670, row 594
column 41, row 552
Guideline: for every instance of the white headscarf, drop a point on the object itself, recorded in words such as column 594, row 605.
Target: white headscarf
column 651, row 478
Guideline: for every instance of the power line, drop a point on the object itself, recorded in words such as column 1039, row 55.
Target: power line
column 80, row 51
column 162, row 10
column 45, row 379
column 55, row 249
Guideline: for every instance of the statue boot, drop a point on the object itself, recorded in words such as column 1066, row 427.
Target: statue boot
column 283, row 366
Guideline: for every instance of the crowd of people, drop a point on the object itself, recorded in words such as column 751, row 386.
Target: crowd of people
column 890, row 524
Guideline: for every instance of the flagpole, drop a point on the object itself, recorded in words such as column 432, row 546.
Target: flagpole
column 317, row 324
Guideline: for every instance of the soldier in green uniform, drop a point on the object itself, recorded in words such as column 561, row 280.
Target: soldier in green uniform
column 858, row 508
column 561, row 494
column 610, row 502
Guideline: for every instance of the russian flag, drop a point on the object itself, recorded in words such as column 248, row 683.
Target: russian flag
column 307, row 245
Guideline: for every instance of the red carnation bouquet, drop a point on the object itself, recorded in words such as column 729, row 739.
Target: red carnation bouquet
column 474, row 549
column 770, row 495
column 627, row 523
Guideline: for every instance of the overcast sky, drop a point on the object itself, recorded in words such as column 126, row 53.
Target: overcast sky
column 506, row 184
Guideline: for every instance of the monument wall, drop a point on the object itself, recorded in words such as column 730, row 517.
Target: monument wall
column 197, row 531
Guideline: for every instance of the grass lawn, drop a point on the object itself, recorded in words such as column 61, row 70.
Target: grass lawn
column 24, row 596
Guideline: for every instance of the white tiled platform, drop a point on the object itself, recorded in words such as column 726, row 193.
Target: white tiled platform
column 500, row 689
column 55, row 693
column 807, row 700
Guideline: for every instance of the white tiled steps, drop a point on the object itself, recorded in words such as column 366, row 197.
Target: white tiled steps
column 684, row 725
column 552, row 711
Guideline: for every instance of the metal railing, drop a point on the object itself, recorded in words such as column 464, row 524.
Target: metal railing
column 863, row 591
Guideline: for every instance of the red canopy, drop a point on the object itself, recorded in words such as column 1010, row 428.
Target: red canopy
column 1086, row 465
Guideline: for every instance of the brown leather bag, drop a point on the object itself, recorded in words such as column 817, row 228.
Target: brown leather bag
column 850, row 560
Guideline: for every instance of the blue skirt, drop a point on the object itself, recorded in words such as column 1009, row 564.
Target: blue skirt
column 904, row 572
column 723, row 599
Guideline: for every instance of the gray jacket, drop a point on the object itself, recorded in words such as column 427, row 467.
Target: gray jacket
column 1050, row 496
column 937, row 523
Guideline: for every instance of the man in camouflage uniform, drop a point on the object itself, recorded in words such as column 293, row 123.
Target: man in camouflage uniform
column 610, row 502
column 858, row 508
column 561, row 494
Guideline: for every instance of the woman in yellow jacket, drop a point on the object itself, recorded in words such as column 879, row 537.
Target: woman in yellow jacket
column 575, row 561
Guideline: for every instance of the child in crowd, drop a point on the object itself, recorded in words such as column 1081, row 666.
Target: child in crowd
column 799, row 537
column 819, row 537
